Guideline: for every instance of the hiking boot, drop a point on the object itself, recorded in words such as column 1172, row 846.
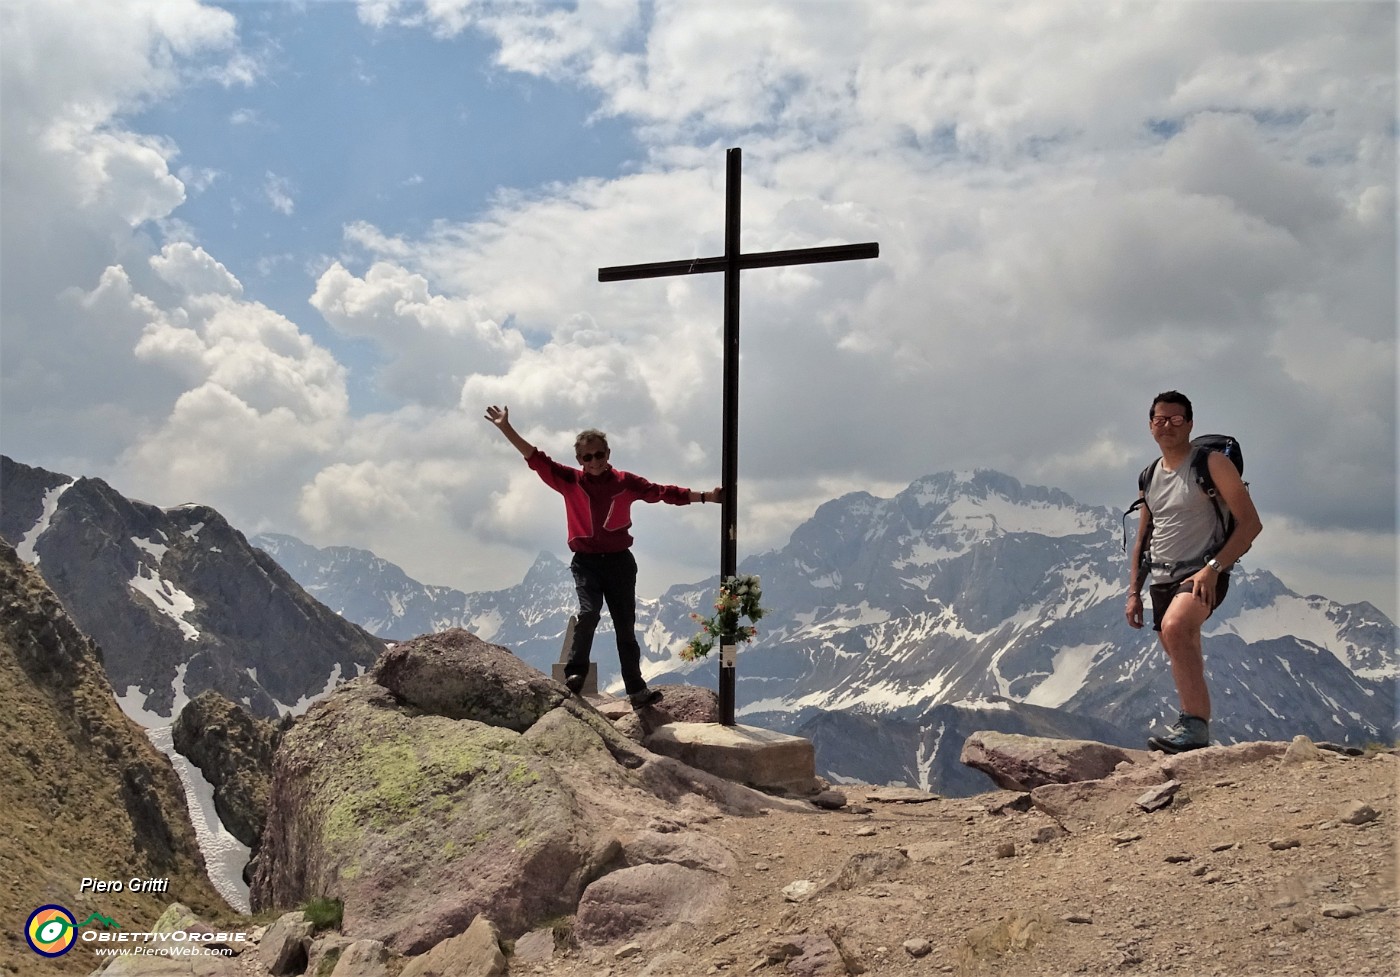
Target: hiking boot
column 574, row 683
column 1189, row 733
column 644, row 698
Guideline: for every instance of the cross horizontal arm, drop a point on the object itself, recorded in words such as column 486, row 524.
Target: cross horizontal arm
column 763, row 259
column 661, row 269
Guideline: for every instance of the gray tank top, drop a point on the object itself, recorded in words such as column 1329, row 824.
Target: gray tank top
column 1185, row 527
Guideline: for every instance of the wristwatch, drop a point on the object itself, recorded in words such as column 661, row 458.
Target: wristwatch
column 1214, row 564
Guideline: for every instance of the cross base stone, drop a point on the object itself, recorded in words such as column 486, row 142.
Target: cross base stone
column 759, row 758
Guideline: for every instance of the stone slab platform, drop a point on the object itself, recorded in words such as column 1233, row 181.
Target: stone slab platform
column 745, row 754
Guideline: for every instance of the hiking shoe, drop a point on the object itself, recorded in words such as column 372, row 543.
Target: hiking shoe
column 644, row 698
column 1189, row 733
column 574, row 683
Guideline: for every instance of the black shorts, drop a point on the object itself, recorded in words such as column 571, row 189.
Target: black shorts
column 1164, row 593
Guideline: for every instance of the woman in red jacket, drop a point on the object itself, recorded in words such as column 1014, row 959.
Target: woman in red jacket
column 598, row 506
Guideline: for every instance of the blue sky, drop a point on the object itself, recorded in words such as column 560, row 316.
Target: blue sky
column 395, row 127
column 278, row 257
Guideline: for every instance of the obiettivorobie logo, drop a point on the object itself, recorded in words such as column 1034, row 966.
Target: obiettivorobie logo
column 52, row 930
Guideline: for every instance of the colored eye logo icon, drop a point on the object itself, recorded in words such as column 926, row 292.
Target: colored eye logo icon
column 51, row 931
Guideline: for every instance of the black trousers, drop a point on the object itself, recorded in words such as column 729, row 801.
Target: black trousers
column 611, row 579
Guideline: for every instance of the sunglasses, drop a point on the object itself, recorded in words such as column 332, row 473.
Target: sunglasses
column 600, row 455
column 1175, row 420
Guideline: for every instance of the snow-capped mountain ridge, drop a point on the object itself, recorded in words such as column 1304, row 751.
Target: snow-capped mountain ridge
column 965, row 601
column 176, row 597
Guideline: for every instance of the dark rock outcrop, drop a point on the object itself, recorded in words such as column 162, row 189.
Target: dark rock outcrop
column 234, row 752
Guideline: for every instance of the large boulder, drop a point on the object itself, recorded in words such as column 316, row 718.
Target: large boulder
column 457, row 675
column 1024, row 763
column 455, row 781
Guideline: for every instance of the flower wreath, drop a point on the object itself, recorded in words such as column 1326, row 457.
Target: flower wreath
column 738, row 597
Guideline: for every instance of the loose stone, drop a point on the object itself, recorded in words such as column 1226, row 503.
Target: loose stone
column 1340, row 910
column 917, row 948
column 1356, row 813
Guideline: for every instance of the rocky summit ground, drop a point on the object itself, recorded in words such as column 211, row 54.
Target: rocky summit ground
column 1260, row 866
column 1250, row 872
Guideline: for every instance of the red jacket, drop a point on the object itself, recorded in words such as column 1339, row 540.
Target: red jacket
column 599, row 510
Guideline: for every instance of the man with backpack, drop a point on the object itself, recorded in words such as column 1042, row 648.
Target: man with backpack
column 1197, row 519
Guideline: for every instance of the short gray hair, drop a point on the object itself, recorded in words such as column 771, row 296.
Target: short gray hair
column 592, row 434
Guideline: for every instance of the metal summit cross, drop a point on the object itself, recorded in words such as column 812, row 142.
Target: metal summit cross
column 731, row 263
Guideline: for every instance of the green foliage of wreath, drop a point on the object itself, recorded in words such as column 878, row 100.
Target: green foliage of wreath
column 738, row 597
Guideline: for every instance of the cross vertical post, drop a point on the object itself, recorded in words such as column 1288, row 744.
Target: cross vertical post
column 729, row 456
column 731, row 263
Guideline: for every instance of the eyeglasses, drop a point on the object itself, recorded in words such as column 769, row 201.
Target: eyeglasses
column 600, row 455
column 1160, row 420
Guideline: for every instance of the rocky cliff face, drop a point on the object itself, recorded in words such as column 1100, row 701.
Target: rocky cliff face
column 82, row 790
column 177, row 599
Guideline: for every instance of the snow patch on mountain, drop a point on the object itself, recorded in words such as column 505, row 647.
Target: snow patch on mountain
column 927, row 755
column 1069, row 671
column 157, row 550
column 25, row 549
column 486, row 624
column 997, row 515
column 170, row 600
column 306, row 702
column 924, row 554
column 224, row 855
column 1300, row 617
column 133, row 702
column 845, row 617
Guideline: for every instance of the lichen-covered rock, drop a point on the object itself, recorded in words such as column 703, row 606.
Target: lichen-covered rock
column 419, row 821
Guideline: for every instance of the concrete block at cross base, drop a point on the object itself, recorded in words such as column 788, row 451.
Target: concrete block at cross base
column 745, row 754
column 590, row 683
